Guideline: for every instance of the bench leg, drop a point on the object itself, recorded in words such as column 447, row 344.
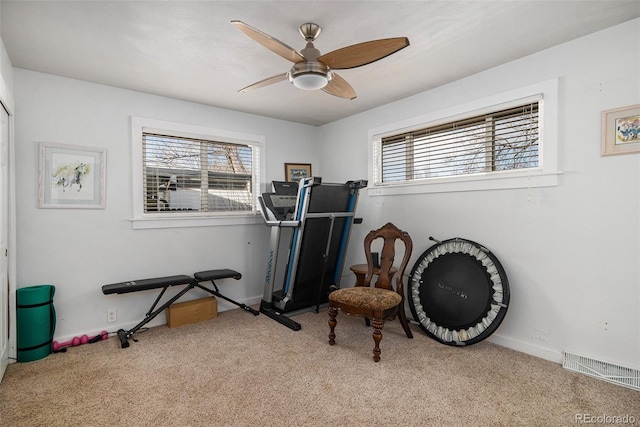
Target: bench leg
column 215, row 291
column 125, row 335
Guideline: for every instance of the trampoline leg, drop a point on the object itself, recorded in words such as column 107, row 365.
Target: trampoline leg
column 403, row 321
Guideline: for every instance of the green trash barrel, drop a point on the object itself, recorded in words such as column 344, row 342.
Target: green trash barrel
column 36, row 322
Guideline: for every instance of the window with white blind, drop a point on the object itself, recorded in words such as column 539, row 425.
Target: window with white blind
column 497, row 141
column 508, row 140
column 196, row 175
column 185, row 174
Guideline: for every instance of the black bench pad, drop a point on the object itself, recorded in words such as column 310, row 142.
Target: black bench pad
column 205, row 276
column 146, row 284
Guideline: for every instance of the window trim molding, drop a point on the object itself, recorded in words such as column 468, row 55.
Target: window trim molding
column 141, row 220
column 545, row 175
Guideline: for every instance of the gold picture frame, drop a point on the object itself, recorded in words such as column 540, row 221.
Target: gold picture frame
column 621, row 130
column 294, row 172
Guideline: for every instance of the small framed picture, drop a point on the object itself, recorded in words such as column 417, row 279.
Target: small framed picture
column 71, row 177
column 621, row 130
column 296, row 171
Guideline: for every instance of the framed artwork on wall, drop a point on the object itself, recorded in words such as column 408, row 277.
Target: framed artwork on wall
column 71, row 177
column 296, row 171
column 621, row 130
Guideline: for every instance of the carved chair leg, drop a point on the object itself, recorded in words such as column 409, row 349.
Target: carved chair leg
column 403, row 321
column 333, row 312
column 377, row 337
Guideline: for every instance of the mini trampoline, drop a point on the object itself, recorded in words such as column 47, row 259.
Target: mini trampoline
column 458, row 292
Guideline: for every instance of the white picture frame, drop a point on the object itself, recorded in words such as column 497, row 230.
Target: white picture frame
column 621, row 131
column 71, row 176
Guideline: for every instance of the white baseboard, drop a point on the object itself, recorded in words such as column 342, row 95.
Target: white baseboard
column 534, row 350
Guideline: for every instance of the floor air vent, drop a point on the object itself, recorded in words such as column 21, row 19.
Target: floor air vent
column 616, row 374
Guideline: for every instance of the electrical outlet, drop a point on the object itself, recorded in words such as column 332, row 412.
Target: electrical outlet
column 111, row 315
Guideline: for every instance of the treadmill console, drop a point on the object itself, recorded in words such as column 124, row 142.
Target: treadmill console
column 279, row 207
column 281, row 204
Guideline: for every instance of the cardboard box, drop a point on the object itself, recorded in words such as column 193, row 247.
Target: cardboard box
column 186, row 313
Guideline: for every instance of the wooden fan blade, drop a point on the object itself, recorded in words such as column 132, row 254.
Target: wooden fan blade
column 340, row 88
column 265, row 82
column 274, row 45
column 363, row 53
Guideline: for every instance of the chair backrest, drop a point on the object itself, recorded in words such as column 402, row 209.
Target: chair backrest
column 389, row 233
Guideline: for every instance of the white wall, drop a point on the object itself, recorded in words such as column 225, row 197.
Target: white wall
column 80, row 250
column 571, row 252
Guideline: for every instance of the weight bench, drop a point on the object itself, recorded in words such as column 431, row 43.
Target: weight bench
column 165, row 283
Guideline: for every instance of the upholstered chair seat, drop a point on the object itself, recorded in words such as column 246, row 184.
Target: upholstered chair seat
column 366, row 299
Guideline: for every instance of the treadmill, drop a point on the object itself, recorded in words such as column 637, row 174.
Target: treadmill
column 316, row 218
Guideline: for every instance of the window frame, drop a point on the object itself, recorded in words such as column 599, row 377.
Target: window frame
column 545, row 175
column 142, row 220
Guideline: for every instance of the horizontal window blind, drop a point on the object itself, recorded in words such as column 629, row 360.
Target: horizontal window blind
column 501, row 140
column 193, row 175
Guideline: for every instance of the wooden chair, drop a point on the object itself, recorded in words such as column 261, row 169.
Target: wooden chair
column 381, row 302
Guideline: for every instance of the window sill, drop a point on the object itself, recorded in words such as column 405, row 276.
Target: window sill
column 493, row 181
column 149, row 222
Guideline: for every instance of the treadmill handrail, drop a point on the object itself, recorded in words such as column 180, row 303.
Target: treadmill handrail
column 329, row 214
column 282, row 223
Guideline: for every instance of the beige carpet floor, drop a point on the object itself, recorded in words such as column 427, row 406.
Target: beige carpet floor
column 241, row 370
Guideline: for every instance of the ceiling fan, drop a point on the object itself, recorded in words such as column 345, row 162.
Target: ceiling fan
column 312, row 71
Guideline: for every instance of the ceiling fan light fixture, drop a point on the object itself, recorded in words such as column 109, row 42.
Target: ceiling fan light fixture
column 309, row 75
column 310, row 81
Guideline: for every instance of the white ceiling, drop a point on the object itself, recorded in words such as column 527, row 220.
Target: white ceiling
column 189, row 50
